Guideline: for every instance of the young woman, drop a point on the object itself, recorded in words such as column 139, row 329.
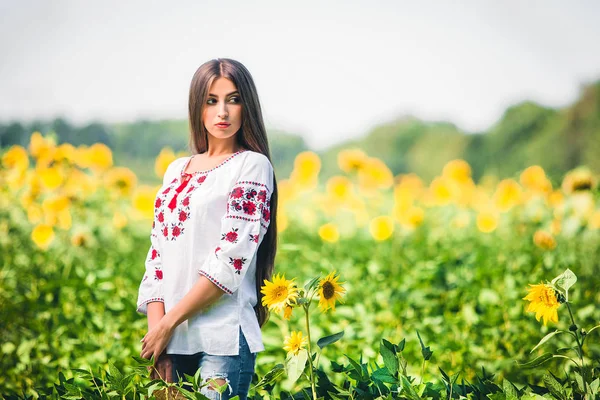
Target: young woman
column 213, row 239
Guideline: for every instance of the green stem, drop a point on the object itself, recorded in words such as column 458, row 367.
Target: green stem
column 310, row 364
column 580, row 346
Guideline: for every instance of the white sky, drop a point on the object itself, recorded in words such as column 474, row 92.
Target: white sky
column 328, row 70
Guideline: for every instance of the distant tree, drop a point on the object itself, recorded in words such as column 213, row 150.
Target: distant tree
column 12, row 134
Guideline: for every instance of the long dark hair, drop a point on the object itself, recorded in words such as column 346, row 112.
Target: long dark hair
column 252, row 136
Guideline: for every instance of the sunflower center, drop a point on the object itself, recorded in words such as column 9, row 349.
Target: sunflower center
column 328, row 290
column 280, row 293
column 548, row 297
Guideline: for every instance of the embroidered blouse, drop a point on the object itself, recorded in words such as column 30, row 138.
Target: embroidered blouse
column 210, row 223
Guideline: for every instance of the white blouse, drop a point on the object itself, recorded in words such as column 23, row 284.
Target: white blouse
column 210, row 223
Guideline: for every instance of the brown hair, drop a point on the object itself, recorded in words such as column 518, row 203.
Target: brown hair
column 252, row 136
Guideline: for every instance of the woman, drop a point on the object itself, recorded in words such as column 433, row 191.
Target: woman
column 213, row 239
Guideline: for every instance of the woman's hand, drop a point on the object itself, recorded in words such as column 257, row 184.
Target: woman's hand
column 156, row 340
column 163, row 368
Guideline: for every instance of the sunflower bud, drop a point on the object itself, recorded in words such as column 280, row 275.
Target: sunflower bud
column 573, row 328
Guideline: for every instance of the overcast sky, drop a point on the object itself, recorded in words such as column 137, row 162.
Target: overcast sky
column 328, row 70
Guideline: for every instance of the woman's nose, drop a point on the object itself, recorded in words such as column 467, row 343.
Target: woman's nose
column 223, row 111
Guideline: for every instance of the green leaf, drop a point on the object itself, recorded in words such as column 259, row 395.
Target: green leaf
column 536, row 362
column 546, row 338
column 400, row 347
column 579, row 381
column 408, row 389
column 594, row 386
column 564, row 281
column 327, row 340
column 358, row 368
column 510, row 391
column 594, row 328
column 554, row 386
column 425, row 351
column 390, row 360
column 271, row 376
column 295, row 365
column 114, row 372
column 444, row 375
column 82, row 373
column 142, row 361
column 312, row 283
column 383, row 375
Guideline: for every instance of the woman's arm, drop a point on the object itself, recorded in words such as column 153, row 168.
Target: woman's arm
column 156, row 310
column 201, row 295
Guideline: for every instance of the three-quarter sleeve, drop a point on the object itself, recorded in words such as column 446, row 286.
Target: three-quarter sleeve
column 242, row 227
column 151, row 286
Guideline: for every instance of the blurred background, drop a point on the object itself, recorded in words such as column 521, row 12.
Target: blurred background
column 445, row 153
column 499, row 84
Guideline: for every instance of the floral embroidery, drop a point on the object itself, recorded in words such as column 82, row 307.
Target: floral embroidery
column 250, row 194
column 237, row 192
column 172, row 226
column 158, row 274
column 249, row 207
column 254, row 238
column 237, row 263
column 262, row 196
column 231, row 236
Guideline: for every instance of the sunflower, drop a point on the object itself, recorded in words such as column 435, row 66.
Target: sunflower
column 375, row 174
column 42, row 235
column 487, row 221
column 544, row 240
column 16, row 158
column 306, row 170
column 50, row 177
column 99, row 157
column 80, row 239
column 381, row 228
column 120, row 180
column 294, row 343
column 329, row 233
column 544, row 302
column 534, row 178
column 279, row 293
column 143, row 200
column 330, row 291
column 508, row 194
column 579, row 179
column 351, row 160
column 287, row 312
column 457, row 170
column 339, row 187
column 166, row 157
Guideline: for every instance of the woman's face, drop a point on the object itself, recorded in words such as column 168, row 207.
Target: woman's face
column 222, row 114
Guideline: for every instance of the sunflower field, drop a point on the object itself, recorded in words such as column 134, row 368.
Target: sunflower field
column 418, row 289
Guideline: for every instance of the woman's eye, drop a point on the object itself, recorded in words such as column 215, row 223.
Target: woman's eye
column 234, row 99
column 211, row 101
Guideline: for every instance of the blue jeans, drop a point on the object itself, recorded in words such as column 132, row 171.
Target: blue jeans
column 237, row 371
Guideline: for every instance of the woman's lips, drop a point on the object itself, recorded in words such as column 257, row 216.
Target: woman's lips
column 222, row 125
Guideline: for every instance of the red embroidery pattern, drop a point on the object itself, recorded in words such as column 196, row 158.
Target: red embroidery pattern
column 250, row 199
column 231, row 236
column 237, row 263
column 154, row 255
column 170, row 221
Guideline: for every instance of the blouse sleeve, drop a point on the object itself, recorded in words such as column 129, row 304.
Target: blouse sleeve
column 151, row 286
column 242, row 227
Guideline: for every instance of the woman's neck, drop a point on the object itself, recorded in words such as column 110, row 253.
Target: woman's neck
column 222, row 147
